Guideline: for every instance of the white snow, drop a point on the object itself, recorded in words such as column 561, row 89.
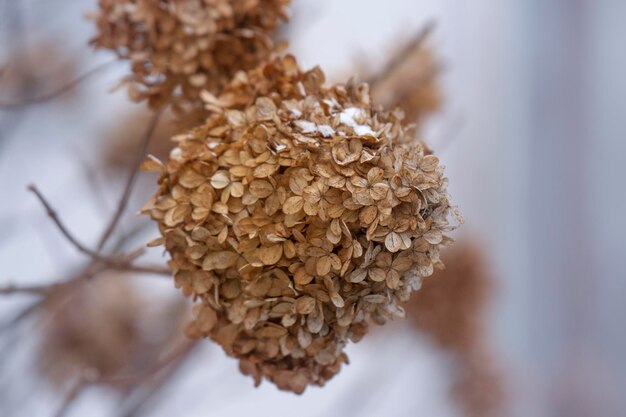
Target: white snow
column 347, row 118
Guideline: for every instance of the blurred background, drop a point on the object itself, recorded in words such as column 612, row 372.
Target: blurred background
column 532, row 135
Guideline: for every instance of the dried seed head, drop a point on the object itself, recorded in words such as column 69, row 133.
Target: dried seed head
column 179, row 48
column 294, row 216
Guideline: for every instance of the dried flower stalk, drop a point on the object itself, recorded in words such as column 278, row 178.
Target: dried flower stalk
column 294, row 215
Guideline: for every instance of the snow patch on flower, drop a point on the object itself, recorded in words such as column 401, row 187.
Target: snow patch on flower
column 347, row 117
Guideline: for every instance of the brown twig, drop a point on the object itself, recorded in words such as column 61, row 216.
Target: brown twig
column 26, row 312
column 168, row 360
column 71, row 396
column 123, row 263
column 173, row 368
column 6, row 106
column 57, row 221
column 33, row 289
column 399, row 58
column 130, row 182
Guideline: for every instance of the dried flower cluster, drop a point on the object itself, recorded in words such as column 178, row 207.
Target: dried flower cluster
column 451, row 303
column 296, row 214
column 104, row 327
column 92, row 327
column 410, row 82
column 180, row 47
column 450, row 307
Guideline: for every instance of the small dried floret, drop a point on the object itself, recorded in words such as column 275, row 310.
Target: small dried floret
column 178, row 48
column 295, row 215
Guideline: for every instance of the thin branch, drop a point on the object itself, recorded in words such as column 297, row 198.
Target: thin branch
column 143, row 148
column 158, row 386
column 401, row 56
column 144, row 269
column 57, row 221
column 138, row 377
column 21, row 316
column 7, row 106
column 33, row 290
column 70, row 397
column 123, row 263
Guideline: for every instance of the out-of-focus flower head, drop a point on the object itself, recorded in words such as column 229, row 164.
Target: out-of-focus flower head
column 123, row 139
column 451, row 307
column 104, row 327
column 178, row 48
column 22, row 76
column 92, row 327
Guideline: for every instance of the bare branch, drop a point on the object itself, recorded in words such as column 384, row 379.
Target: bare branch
column 130, row 182
column 414, row 44
column 22, row 315
column 57, row 221
column 6, row 106
column 122, row 263
column 168, row 360
column 33, row 290
column 73, row 393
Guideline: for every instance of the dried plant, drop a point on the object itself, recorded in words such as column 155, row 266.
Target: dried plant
column 410, row 80
column 93, row 326
column 450, row 307
column 21, row 79
column 296, row 213
column 102, row 329
column 179, row 48
column 121, row 140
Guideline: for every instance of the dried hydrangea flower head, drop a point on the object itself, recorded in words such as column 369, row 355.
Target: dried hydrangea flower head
column 294, row 216
column 450, row 305
column 93, row 328
column 106, row 328
column 180, row 47
column 410, row 81
column 451, row 308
